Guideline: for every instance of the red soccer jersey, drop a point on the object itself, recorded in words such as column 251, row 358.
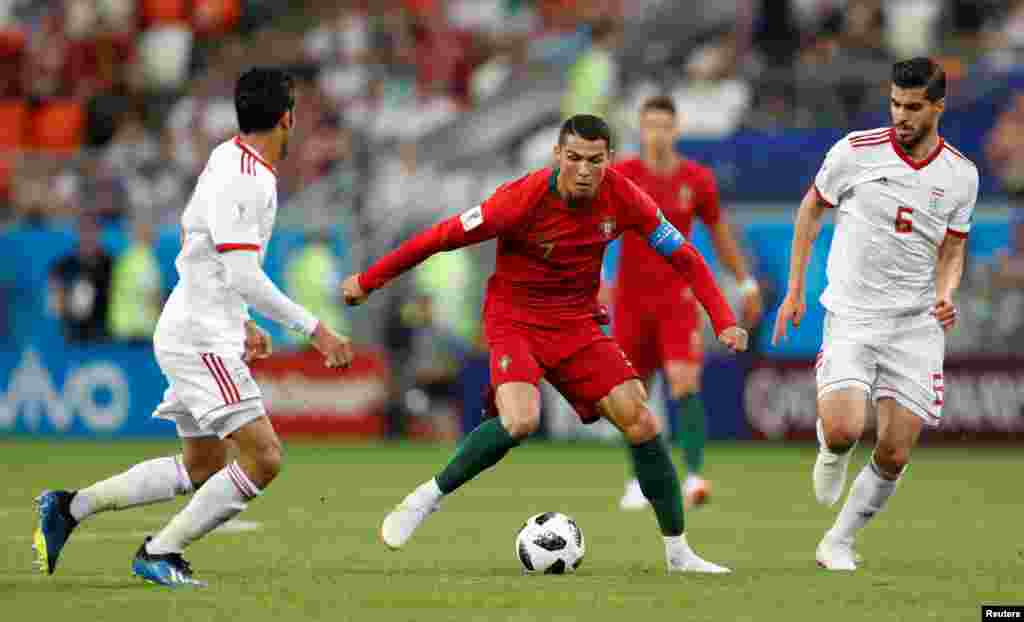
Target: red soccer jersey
column 644, row 280
column 549, row 254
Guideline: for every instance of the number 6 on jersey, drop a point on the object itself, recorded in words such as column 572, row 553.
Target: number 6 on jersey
column 904, row 225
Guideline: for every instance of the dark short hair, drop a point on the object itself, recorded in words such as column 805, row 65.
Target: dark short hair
column 587, row 127
column 921, row 73
column 262, row 96
column 659, row 103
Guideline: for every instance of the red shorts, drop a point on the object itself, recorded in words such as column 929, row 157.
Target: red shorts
column 580, row 361
column 651, row 338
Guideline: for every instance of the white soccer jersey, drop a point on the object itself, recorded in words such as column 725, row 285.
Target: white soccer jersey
column 232, row 208
column 892, row 215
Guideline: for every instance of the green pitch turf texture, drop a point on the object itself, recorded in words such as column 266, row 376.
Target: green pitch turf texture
column 949, row 541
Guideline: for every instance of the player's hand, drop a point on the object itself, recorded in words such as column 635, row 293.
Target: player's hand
column 735, row 338
column 945, row 313
column 257, row 343
column 353, row 291
column 791, row 311
column 337, row 349
column 753, row 308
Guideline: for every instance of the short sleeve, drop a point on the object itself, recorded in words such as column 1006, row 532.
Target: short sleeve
column 708, row 206
column 236, row 217
column 833, row 178
column 960, row 223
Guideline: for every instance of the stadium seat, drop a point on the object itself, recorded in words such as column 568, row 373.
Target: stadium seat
column 13, row 122
column 57, row 126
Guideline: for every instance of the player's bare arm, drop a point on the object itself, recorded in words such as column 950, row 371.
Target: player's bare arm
column 727, row 249
column 948, row 271
column 806, row 230
column 353, row 291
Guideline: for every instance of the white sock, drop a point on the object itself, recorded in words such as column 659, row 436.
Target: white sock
column 677, row 549
column 147, row 482
column 427, row 494
column 220, row 499
column 868, row 496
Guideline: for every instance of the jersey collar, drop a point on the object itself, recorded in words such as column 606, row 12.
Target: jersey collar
column 914, row 164
column 255, row 154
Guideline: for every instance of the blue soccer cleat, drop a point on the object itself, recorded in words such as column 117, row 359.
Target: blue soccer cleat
column 54, row 529
column 169, row 569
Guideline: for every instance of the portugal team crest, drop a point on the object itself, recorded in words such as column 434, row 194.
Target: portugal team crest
column 685, row 193
column 608, row 228
column 505, row 361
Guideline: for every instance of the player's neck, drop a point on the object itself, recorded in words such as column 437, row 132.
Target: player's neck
column 661, row 163
column 266, row 145
column 922, row 149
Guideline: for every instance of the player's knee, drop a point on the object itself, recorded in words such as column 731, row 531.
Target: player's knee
column 840, row 436
column 642, row 426
column 891, row 459
column 683, row 380
column 521, row 423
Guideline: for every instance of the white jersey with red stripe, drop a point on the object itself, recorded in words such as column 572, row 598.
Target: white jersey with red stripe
column 892, row 214
column 232, row 208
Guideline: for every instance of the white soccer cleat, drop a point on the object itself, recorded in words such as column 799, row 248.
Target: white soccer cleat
column 836, row 554
column 830, row 471
column 401, row 522
column 694, row 563
column 633, row 498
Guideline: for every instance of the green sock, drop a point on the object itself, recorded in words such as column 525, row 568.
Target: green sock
column 658, row 480
column 692, row 433
column 482, row 448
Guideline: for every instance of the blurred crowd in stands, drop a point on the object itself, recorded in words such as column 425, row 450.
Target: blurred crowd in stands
column 108, row 109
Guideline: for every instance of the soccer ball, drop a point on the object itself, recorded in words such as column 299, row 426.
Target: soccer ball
column 550, row 543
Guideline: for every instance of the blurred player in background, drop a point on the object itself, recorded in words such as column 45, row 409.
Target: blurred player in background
column 656, row 319
column 903, row 199
column 203, row 342
column 541, row 319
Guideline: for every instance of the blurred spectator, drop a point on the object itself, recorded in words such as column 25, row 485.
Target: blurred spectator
column 136, row 292
column 1005, row 152
column 404, row 196
column 713, row 100
column 80, row 286
column 313, row 279
column 593, row 77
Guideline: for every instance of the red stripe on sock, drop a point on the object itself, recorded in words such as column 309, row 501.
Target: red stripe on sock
column 238, row 484
column 216, row 377
column 248, row 488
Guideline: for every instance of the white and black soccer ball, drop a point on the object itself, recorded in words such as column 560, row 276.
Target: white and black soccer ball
column 550, row 543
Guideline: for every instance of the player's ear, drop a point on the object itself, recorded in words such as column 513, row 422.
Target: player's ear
column 940, row 105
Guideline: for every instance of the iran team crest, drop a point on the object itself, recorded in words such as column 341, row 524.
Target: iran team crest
column 608, row 228
column 937, row 195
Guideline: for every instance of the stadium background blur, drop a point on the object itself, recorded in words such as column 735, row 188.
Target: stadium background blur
column 412, row 110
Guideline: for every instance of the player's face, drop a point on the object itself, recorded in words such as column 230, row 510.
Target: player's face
column 658, row 130
column 913, row 116
column 582, row 165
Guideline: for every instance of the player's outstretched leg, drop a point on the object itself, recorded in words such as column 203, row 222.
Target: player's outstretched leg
column 841, row 415
column 225, row 495
column 898, row 430
column 626, row 407
column 519, row 410
column 61, row 511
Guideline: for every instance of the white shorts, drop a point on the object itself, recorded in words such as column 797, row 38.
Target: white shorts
column 900, row 358
column 209, row 395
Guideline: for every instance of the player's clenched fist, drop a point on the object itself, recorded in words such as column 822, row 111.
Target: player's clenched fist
column 257, row 343
column 945, row 313
column 353, row 291
column 735, row 338
column 791, row 311
column 337, row 349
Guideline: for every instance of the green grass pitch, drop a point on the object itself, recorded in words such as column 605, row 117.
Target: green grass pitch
column 949, row 541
